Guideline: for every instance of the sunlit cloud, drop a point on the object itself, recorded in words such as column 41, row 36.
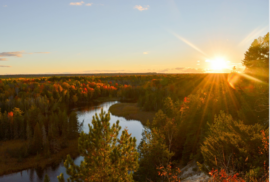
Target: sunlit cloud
column 5, row 66
column 188, row 43
column 6, row 54
column 253, row 35
column 107, row 71
column 88, row 4
column 182, row 70
column 140, row 8
column 76, row 3
column 194, row 70
column 145, row 52
column 17, row 54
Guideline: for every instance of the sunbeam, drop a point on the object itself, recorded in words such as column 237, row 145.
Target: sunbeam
column 251, row 36
column 188, row 43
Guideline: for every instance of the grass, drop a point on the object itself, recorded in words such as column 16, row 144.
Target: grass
column 131, row 111
column 10, row 164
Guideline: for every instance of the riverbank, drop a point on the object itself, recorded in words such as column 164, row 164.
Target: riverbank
column 9, row 164
column 131, row 111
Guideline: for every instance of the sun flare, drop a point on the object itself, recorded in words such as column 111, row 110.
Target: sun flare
column 218, row 64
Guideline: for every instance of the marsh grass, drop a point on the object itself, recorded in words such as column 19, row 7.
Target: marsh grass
column 13, row 158
column 131, row 111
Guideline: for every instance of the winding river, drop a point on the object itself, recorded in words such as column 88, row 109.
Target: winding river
column 84, row 114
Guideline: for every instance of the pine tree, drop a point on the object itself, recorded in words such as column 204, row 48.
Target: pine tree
column 45, row 141
column 43, row 133
column 153, row 152
column 28, row 131
column 106, row 157
column 46, row 178
column 73, row 125
column 257, row 56
column 54, row 144
column 18, row 123
column 37, row 139
column 168, row 107
column 231, row 145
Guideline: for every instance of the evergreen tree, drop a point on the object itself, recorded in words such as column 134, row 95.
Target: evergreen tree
column 28, row 131
column 46, row 178
column 18, row 123
column 257, row 56
column 73, row 127
column 43, row 133
column 37, row 139
column 153, row 152
column 106, row 157
column 168, row 107
column 232, row 145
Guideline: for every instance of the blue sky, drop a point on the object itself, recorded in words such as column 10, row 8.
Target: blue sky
column 95, row 36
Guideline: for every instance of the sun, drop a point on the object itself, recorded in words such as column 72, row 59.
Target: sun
column 218, row 64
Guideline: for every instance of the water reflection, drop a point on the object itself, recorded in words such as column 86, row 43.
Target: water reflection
column 84, row 114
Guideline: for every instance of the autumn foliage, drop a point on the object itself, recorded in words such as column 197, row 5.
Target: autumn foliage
column 169, row 174
column 222, row 176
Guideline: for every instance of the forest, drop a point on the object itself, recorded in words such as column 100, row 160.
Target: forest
column 218, row 120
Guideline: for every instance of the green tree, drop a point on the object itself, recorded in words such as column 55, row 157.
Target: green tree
column 18, row 123
column 232, row 145
column 46, row 178
column 153, row 152
column 166, row 125
column 168, row 107
column 73, row 127
column 257, row 56
column 106, row 157
column 74, row 99
column 37, row 139
column 28, row 131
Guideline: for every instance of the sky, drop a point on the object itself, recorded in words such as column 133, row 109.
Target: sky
column 128, row 36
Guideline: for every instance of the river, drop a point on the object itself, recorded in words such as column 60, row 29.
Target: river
column 84, row 114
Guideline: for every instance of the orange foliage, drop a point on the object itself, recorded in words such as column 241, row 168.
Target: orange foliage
column 127, row 86
column 265, row 150
column 113, row 88
column 91, row 89
column 41, row 87
column 171, row 175
column 10, row 114
column 265, row 142
column 222, row 176
column 186, row 99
